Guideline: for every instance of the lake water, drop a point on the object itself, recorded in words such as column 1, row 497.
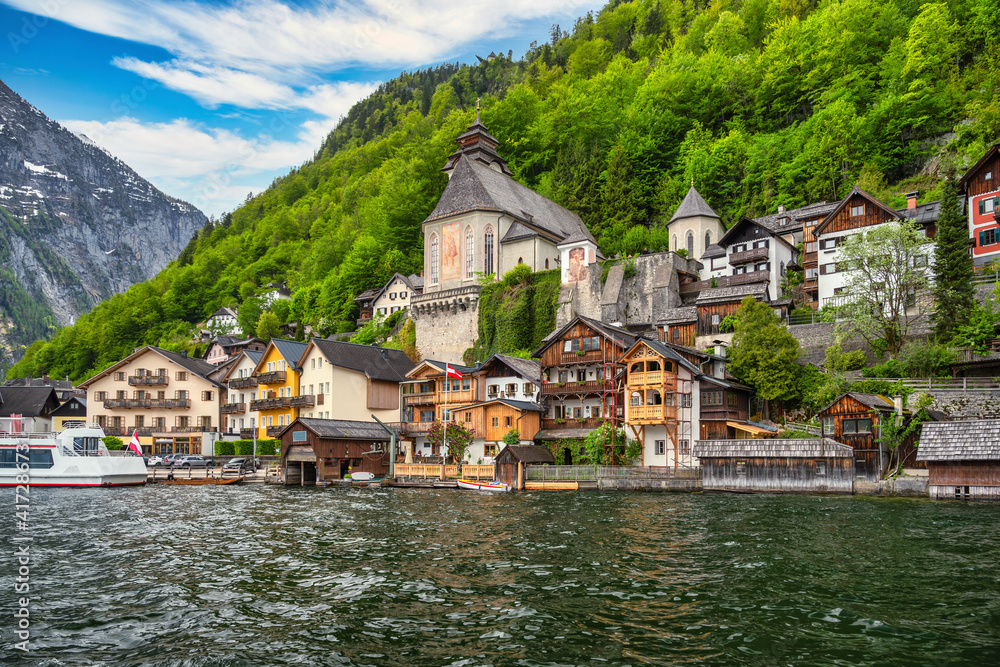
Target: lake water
column 263, row 575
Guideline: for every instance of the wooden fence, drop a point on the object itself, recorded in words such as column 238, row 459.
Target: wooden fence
column 550, row 473
column 434, row 470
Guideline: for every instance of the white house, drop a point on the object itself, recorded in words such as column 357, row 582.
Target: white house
column 241, row 389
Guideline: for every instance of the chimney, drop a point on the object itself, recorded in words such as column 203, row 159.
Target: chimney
column 781, row 209
column 897, row 403
column 385, row 353
column 911, row 200
column 184, row 353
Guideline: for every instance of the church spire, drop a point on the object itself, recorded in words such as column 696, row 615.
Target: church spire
column 479, row 145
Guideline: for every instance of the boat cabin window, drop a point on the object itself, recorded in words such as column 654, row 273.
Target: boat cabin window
column 86, row 446
column 37, row 458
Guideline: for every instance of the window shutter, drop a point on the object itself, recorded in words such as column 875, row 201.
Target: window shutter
column 769, row 266
column 982, row 235
column 996, row 203
column 982, row 208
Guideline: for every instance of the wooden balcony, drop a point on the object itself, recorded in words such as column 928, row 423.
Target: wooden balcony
column 457, row 397
column 586, row 387
column 423, row 398
column 230, row 408
column 648, row 378
column 146, row 403
column 242, row 383
column 192, row 429
column 302, row 401
column 412, row 428
column 272, row 377
column 585, row 357
column 274, row 431
column 751, row 255
column 573, row 422
column 141, row 430
column 246, row 433
column 652, row 413
column 269, row 404
column 750, row 277
column 148, row 380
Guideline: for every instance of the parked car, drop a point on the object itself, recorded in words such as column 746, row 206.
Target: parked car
column 242, row 465
column 193, row 461
column 173, row 459
column 156, row 460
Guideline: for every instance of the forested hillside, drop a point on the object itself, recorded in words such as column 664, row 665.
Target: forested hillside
column 759, row 103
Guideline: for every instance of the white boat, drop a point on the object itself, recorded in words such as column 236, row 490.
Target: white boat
column 74, row 457
column 473, row 485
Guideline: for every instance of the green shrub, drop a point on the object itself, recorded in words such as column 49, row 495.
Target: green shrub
column 225, row 448
column 244, row 447
column 113, row 443
column 267, row 447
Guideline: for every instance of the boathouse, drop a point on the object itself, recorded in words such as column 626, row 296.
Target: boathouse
column 318, row 450
column 855, row 419
column 815, row 465
column 962, row 457
column 511, row 460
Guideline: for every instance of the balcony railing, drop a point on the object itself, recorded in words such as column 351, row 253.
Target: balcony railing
column 246, row 434
column 647, row 378
column 146, row 403
column 302, row 401
column 457, row 397
column 411, row 428
column 423, row 398
column 193, row 429
column 148, row 380
column 587, row 357
column 652, row 412
column 748, row 256
column 273, row 431
column 140, row 430
column 230, row 408
column 272, row 377
column 750, row 277
column 573, row 422
column 242, row 383
column 837, row 300
column 270, row 404
column 573, row 387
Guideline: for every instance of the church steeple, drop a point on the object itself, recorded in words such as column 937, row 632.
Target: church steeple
column 479, row 145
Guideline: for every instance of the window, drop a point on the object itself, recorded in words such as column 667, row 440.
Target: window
column 857, row 210
column 685, row 447
column 741, row 467
column 314, row 364
column 507, row 421
column 468, row 417
column 853, row 426
column 988, row 176
column 567, row 346
column 446, row 416
column 762, row 244
column 435, row 260
column 988, row 237
column 100, row 396
column 739, row 248
column 828, row 269
column 546, row 262
column 828, row 426
column 493, row 390
column 685, row 400
column 690, row 245
column 470, row 252
column 578, row 413
column 403, row 295
column 121, row 395
column 989, row 204
column 496, row 421
column 488, row 251
column 812, row 273
column 827, row 244
column 392, row 296
column 489, row 449
column 181, row 376
column 466, row 383
column 426, row 415
column 299, row 436
column 120, row 376
column 635, row 399
column 711, row 398
column 206, row 396
column 820, row 468
column 708, row 240
column 595, row 411
column 675, row 333
column 715, row 320
column 660, row 447
column 520, row 260
column 511, row 389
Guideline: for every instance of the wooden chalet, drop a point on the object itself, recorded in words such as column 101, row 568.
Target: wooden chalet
column 491, row 420
column 962, row 458
column 724, row 410
column 679, row 327
column 582, row 378
column 713, row 305
column 981, row 183
column 424, row 399
column 317, row 450
column 510, row 462
column 854, row 419
column 819, row 465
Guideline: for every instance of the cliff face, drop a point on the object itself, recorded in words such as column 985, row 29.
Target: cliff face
column 76, row 225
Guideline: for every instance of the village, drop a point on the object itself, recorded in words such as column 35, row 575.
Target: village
column 629, row 391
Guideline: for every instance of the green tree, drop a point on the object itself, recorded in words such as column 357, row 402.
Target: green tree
column 249, row 315
column 954, row 294
column 512, row 438
column 268, row 326
column 605, row 445
column 763, row 353
column 458, row 441
column 887, row 282
column 113, row 442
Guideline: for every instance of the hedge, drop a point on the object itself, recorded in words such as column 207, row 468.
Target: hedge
column 224, row 448
column 245, row 447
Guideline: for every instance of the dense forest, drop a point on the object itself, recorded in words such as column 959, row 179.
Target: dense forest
column 758, row 102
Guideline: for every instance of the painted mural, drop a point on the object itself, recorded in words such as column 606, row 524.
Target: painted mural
column 451, row 265
column 577, row 264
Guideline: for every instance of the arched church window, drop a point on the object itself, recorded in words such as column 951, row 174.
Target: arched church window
column 470, row 250
column 673, row 244
column 708, row 239
column 520, row 260
column 488, row 251
column 435, row 259
column 546, row 262
column 690, row 245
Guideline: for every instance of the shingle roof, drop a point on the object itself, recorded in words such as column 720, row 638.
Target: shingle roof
column 874, row 401
column 974, row 440
column 773, row 448
column 626, row 338
column 742, row 222
column 476, row 187
column 963, row 182
column 61, row 385
column 529, row 369
column 343, row 429
column 665, row 352
column 680, row 315
column 693, row 205
column 714, row 250
column 291, row 351
column 517, row 405
column 197, row 366
column 28, row 401
column 795, row 216
column 378, row 363
column 734, row 293
column 518, row 232
column 528, row 453
column 854, row 191
column 416, row 281
column 74, row 405
column 926, row 214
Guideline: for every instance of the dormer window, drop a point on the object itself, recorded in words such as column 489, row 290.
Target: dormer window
column 857, row 210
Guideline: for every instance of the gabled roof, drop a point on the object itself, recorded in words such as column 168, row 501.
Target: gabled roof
column 377, row 363
column 974, row 440
column 793, row 219
column 663, row 351
column 74, row 406
column 963, row 183
column 223, row 312
column 524, row 406
column 927, row 214
column 199, row 367
column 342, row 429
column 714, row 250
column 577, row 236
column 438, row 368
column 680, row 315
column 290, row 350
column 622, row 337
column 806, row 448
column 28, row 401
column 416, row 281
column 743, row 222
column 518, row 232
column 730, row 294
column 368, row 294
column 529, row 369
column 873, row 401
column 528, row 453
column 854, row 191
column 476, row 187
column 229, row 342
column 396, row 276
column 693, row 205
column 253, row 355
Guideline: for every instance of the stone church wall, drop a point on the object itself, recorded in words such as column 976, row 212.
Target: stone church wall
column 446, row 323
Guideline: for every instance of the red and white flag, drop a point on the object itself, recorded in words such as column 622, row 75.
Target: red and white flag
column 452, row 373
column 134, row 445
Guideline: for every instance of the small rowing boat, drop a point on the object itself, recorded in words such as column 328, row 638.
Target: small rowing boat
column 472, row 485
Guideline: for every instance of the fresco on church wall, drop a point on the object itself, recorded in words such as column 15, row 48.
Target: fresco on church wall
column 451, row 265
column 576, row 264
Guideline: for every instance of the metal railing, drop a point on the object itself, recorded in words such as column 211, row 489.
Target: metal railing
column 228, row 408
column 748, row 256
column 272, row 377
column 148, row 380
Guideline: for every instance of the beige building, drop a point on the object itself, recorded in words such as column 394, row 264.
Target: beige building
column 341, row 380
column 396, row 294
column 694, row 226
column 167, row 397
column 237, row 417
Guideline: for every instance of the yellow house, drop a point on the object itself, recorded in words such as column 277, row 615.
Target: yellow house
column 73, row 411
column 277, row 375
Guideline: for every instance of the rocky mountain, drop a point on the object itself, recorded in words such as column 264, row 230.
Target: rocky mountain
column 76, row 225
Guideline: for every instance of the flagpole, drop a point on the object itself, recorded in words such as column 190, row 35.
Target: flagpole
column 447, row 387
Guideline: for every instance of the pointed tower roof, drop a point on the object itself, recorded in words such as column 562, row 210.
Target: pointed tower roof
column 694, row 205
column 477, row 144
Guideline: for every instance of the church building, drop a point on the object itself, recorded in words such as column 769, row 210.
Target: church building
column 694, row 226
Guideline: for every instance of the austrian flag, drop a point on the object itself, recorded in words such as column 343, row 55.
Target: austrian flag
column 452, row 373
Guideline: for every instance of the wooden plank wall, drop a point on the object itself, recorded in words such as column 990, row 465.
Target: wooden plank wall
column 796, row 475
column 480, row 419
column 329, row 454
column 843, row 220
column 383, row 395
column 704, row 324
column 973, row 473
column 866, row 448
column 978, row 186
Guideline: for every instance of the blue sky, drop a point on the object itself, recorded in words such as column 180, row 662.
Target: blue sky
column 211, row 100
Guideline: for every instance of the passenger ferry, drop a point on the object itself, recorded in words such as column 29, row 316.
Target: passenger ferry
column 74, row 457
